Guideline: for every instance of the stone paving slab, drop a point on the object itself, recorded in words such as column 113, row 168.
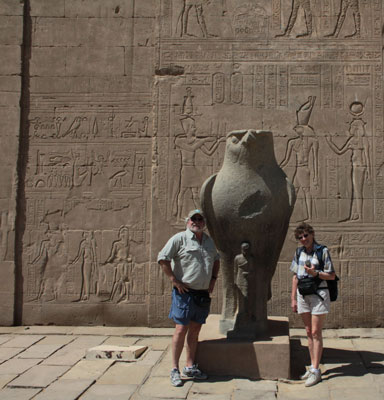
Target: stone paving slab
column 18, row 394
column 287, row 391
column 5, row 339
column 150, row 358
column 121, row 341
column 197, row 396
column 17, row 365
column 46, row 330
column 99, row 330
column 125, row 373
column 259, row 386
column 246, row 395
column 348, row 393
column 216, row 386
column 74, row 351
column 343, row 333
column 57, row 339
column 66, row 356
column 155, row 343
column 160, row 388
column 371, row 352
column 23, row 341
column 7, row 378
column 40, row 351
column 86, row 369
column 8, row 352
column 109, row 392
column 65, row 390
column 39, row 376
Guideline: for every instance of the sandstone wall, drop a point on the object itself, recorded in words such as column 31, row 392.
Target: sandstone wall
column 114, row 113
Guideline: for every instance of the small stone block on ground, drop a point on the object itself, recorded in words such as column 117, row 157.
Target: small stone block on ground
column 130, row 353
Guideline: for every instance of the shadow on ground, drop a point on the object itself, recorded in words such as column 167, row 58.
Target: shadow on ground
column 355, row 363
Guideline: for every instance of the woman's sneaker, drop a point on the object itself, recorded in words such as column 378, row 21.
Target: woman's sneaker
column 194, row 372
column 314, row 377
column 306, row 375
column 175, row 378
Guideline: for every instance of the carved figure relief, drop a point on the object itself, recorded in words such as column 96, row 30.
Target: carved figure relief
column 245, row 274
column 6, row 226
column 306, row 6
column 50, row 254
column 188, row 144
column 87, row 259
column 344, row 6
column 250, row 20
column 195, row 7
column 358, row 144
column 121, row 263
column 305, row 148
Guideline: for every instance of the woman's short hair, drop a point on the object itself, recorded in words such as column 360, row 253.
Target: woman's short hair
column 303, row 227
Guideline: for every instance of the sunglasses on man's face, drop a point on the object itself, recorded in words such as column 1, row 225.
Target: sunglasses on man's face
column 197, row 219
column 304, row 236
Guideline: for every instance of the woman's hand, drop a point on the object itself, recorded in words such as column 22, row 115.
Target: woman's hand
column 294, row 305
column 310, row 270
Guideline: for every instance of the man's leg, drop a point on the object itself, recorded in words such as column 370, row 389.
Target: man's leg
column 178, row 343
column 192, row 340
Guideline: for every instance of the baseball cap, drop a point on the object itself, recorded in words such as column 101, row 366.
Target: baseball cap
column 194, row 212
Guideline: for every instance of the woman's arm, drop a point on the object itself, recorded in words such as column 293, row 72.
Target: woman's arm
column 293, row 293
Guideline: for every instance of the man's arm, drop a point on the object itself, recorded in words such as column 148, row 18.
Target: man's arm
column 215, row 273
column 166, row 266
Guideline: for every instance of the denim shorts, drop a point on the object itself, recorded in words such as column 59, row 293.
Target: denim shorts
column 184, row 310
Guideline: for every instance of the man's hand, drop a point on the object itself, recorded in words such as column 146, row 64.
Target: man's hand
column 211, row 285
column 180, row 286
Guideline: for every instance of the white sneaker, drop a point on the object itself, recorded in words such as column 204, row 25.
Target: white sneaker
column 314, row 377
column 306, row 375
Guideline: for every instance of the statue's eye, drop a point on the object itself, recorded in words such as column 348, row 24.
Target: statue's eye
column 235, row 140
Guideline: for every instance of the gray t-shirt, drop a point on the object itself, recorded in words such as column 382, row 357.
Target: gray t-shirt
column 191, row 261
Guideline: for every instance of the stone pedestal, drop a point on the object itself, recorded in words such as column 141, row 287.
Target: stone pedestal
column 267, row 358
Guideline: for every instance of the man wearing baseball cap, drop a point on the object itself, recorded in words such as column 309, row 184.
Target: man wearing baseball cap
column 191, row 262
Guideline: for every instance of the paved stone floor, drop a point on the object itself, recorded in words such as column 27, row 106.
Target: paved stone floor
column 47, row 362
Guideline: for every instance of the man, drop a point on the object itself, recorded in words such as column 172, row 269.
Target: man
column 193, row 273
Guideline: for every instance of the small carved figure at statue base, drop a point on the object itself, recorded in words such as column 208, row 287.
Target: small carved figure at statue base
column 251, row 316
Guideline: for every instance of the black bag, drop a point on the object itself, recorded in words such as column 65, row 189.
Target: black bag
column 201, row 298
column 308, row 286
column 333, row 290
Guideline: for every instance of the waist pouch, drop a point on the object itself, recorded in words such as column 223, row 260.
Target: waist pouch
column 308, row 285
column 200, row 297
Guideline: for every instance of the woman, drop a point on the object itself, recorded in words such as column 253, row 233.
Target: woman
column 311, row 260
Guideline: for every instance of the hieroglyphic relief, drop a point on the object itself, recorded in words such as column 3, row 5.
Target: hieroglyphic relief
column 72, row 254
column 296, row 5
column 321, row 95
column 54, row 277
column 344, row 6
column 305, row 148
column 358, row 144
